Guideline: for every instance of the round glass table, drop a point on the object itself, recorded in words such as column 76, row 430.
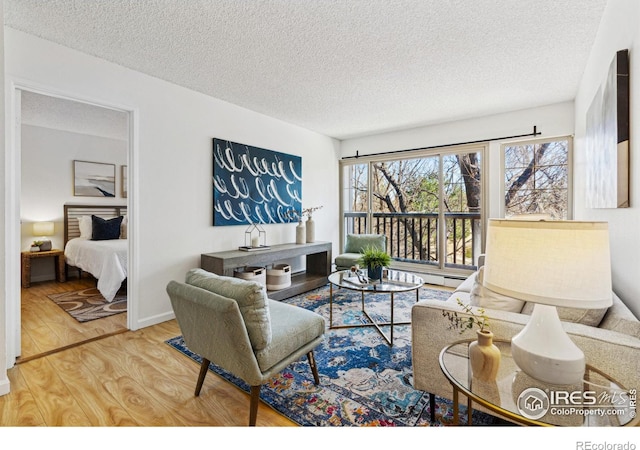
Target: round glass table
column 598, row 401
column 393, row 281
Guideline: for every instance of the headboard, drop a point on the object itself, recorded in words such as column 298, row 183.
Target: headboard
column 72, row 212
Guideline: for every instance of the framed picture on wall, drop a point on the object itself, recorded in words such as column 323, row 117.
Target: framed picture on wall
column 253, row 185
column 93, row 179
column 123, row 181
column 607, row 138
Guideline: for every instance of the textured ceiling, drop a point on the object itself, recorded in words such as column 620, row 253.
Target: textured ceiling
column 60, row 114
column 343, row 68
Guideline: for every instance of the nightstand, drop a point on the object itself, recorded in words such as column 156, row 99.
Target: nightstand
column 57, row 255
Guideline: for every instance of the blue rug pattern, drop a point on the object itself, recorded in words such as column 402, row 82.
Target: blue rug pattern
column 363, row 380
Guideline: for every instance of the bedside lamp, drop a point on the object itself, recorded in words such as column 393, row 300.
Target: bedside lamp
column 551, row 264
column 42, row 229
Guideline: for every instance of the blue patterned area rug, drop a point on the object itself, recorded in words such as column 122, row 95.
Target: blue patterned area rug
column 363, row 381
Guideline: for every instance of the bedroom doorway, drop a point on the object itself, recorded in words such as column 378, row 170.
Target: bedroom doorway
column 54, row 135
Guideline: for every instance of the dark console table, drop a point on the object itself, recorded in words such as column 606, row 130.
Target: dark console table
column 318, row 267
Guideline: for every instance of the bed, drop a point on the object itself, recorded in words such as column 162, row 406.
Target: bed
column 106, row 258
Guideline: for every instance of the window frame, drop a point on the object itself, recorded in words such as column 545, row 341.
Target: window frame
column 481, row 147
column 569, row 138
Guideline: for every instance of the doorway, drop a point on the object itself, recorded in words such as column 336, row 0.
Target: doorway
column 51, row 132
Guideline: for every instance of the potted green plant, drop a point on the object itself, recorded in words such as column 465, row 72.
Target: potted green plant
column 374, row 259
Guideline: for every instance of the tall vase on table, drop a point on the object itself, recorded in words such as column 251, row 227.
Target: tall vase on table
column 301, row 236
column 310, row 225
column 311, row 230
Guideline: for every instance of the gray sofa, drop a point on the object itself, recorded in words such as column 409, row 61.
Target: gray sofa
column 609, row 338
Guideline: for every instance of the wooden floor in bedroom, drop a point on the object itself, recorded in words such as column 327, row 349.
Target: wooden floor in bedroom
column 47, row 328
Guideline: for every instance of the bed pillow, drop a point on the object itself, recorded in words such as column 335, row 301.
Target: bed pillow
column 86, row 227
column 104, row 229
column 123, row 228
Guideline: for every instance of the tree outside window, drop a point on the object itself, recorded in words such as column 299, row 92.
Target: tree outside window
column 428, row 205
column 537, row 178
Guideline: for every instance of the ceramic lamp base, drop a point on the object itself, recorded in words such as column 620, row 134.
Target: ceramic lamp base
column 544, row 351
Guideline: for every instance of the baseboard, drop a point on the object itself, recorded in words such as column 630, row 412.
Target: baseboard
column 5, row 387
column 42, row 277
column 155, row 320
column 437, row 280
column 441, row 280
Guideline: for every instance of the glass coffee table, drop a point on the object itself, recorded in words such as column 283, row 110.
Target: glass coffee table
column 395, row 281
column 598, row 400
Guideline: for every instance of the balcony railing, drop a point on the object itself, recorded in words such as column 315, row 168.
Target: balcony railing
column 413, row 237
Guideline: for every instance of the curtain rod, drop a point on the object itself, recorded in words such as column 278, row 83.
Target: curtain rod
column 534, row 133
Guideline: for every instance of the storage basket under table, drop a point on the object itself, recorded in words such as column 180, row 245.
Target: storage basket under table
column 252, row 273
column 278, row 277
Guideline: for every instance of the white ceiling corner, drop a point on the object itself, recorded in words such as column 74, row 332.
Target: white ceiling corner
column 343, row 68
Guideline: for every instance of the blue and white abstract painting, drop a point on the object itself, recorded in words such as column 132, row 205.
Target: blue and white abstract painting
column 253, row 185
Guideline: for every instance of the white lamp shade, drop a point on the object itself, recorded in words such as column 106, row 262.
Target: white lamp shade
column 43, row 228
column 557, row 263
column 550, row 263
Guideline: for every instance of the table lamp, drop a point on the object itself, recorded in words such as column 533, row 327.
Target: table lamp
column 42, row 229
column 552, row 264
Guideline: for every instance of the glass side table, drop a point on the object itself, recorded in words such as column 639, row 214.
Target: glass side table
column 598, row 401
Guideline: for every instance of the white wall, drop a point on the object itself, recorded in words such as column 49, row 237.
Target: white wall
column 4, row 380
column 551, row 121
column 619, row 29
column 47, row 181
column 172, row 164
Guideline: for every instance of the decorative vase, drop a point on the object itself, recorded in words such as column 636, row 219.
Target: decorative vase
column 484, row 357
column 374, row 273
column 301, row 237
column 311, row 230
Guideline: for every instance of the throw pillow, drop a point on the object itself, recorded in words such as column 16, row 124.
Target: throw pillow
column 486, row 298
column 356, row 243
column 85, row 225
column 104, row 229
column 590, row 317
column 251, row 298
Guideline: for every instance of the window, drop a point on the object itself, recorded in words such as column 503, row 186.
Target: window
column 537, row 178
column 427, row 203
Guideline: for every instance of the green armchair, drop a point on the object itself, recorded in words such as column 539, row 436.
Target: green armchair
column 355, row 245
column 232, row 323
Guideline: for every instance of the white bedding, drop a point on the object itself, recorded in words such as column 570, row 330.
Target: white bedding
column 105, row 260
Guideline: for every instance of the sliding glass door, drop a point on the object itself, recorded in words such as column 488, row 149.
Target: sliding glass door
column 428, row 204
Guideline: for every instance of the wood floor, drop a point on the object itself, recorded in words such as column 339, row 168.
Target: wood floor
column 45, row 327
column 125, row 379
